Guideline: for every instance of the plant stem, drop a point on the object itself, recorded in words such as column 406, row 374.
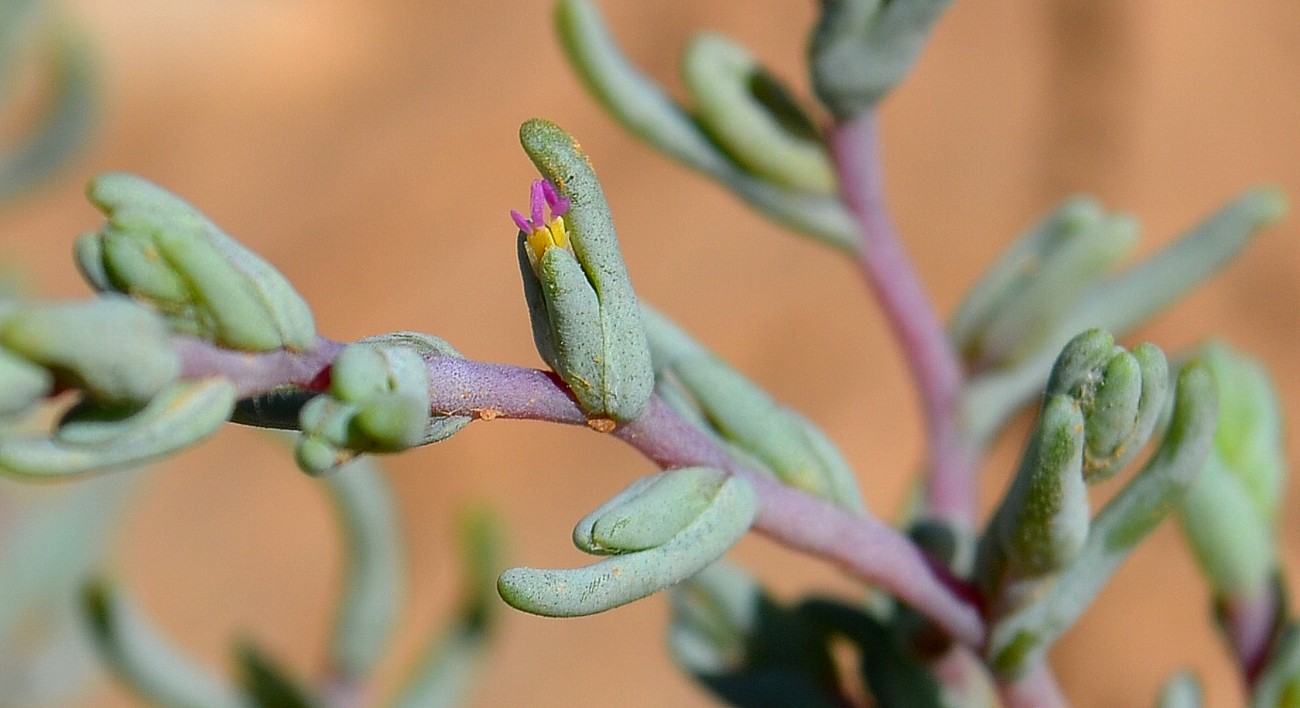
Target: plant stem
column 1249, row 624
column 1037, row 688
column 864, row 547
column 950, row 493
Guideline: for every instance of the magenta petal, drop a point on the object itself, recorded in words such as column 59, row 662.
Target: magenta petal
column 552, row 196
column 538, row 199
column 521, row 222
column 559, row 204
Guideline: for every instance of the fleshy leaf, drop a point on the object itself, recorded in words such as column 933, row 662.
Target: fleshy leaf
column 143, row 660
column 618, row 580
column 158, row 249
column 1042, row 523
column 752, row 118
column 1020, row 639
column 1121, row 303
column 379, row 401
column 641, row 105
column 1229, row 516
column 109, row 346
column 861, row 49
column 744, row 416
column 746, row 647
column 649, row 512
column 443, row 676
column 91, row 438
column 1038, row 281
column 373, row 575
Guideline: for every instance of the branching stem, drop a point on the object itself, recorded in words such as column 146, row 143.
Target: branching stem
column 864, row 547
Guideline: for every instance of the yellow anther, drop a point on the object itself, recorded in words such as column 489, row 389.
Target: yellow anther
column 553, row 234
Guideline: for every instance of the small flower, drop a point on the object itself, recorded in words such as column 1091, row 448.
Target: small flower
column 542, row 234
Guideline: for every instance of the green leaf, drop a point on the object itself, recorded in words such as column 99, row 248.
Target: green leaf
column 747, row 419
column 373, row 575
column 749, row 115
column 748, row 649
column 637, row 102
column 162, row 251
column 268, row 684
column 1121, row 304
column 618, row 580
column 1019, row 639
column 649, row 512
column 63, row 126
column 896, row 677
column 1042, row 523
column 861, row 49
column 91, row 438
column 146, row 662
column 1021, row 299
column 443, row 677
column 109, row 346
column 378, row 401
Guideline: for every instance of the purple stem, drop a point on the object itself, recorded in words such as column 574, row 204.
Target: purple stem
column 950, row 493
column 861, row 546
column 1249, row 624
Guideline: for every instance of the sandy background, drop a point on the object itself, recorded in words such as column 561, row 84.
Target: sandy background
column 368, row 149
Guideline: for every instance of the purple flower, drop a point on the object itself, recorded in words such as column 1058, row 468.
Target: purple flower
column 540, row 233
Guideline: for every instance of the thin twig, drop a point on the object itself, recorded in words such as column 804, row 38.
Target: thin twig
column 950, row 493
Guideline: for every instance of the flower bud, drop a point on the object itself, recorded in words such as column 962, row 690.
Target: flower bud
column 585, row 315
column 379, row 401
column 160, row 250
column 860, row 49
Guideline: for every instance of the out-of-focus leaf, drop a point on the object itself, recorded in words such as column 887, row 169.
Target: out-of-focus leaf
column 894, row 675
column 373, row 576
column 63, row 126
column 443, row 678
column 748, row 649
column 146, row 662
column 268, row 684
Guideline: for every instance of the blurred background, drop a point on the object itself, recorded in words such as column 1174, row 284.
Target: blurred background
column 368, row 149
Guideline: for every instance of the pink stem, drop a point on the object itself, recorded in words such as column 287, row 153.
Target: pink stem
column 1249, row 624
column 950, row 493
column 862, row 546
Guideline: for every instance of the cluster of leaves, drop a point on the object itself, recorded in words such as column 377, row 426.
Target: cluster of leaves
column 188, row 330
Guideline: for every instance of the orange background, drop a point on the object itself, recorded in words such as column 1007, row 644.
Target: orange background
column 368, row 149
